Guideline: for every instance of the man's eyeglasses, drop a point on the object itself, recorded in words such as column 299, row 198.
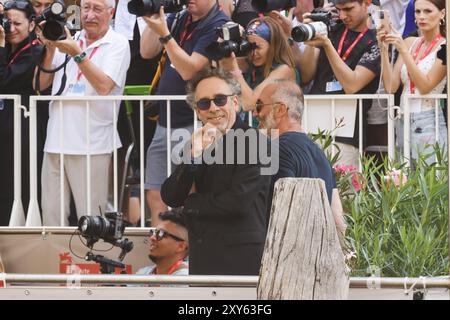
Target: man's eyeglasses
column 219, row 100
column 161, row 233
column 259, row 104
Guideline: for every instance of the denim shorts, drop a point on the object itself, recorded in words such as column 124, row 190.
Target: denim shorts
column 423, row 133
column 156, row 166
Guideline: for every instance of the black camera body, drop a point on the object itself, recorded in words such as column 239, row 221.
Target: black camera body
column 55, row 21
column 109, row 228
column 147, row 7
column 4, row 22
column 323, row 24
column 233, row 42
column 265, row 6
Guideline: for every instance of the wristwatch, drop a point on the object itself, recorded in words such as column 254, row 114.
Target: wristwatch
column 79, row 57
column 165, row 39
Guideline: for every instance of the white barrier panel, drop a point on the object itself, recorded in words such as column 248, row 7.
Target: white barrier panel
column 17, row 213
column 56, row 250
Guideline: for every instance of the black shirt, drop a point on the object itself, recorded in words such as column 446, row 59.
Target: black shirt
column 300, row 157
column 366, row 53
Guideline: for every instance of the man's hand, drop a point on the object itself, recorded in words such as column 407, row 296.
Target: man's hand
column 158, row 23
column 202, row 138
column 68, row 45
column 319, row 41
column 285, row 22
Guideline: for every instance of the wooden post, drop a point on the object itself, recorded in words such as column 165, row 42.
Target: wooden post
column 302, row 257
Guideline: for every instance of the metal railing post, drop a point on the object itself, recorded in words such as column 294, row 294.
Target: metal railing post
column 33, row 215
column 17, row 214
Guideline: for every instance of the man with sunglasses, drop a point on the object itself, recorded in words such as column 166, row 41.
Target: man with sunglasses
column 168, row 245
column 223, row 192
column 183, row 38
column 279, row 110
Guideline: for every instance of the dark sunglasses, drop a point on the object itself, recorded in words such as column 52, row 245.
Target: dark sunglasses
column 160, row 234
column 259, row 105
column 219, row 100
column 21, row 5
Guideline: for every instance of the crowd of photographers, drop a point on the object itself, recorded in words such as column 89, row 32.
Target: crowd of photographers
column 325, row 47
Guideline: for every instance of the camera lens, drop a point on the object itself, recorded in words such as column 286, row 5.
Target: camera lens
column 302, row 33
column 54, row 30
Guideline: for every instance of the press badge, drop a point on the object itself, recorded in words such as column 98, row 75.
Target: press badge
column 76, row 89
column 333, row 86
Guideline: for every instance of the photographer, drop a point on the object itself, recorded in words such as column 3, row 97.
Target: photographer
column 40, row 5
column 98, row 60
column 184, row 37
column 19, row 53
column 270, row 59
column 168, row 245
column 348, row 61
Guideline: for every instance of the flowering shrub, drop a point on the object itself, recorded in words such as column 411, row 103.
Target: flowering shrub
column 397, row 216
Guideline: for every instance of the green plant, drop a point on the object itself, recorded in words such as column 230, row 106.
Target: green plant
column 399, row 226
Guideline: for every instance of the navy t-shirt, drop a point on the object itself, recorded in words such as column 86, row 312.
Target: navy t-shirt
column 197, row 37
column 300, row 157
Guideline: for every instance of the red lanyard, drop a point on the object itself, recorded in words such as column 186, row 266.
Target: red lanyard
column 29, row 45
column 90, row 57
column 427, row 51
column 349, row 50
column 185, row 37
column 173, row 268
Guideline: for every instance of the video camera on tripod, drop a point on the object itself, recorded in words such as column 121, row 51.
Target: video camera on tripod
column 110, row 229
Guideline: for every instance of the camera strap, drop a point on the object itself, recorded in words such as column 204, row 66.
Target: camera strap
column 29, row 45
column 352, row 46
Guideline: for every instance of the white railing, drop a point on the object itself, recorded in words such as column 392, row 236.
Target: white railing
column 33, row 217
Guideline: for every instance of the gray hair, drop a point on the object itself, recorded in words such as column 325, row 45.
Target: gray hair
column 210, row 73
column 109, row 3
column 289, row 93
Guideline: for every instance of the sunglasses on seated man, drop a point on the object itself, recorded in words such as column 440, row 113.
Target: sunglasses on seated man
column 220, row 100
column 161, row 233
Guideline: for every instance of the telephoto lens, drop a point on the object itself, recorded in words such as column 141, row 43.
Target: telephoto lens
column 148, row 7
column 55, row 21
column 308, row 31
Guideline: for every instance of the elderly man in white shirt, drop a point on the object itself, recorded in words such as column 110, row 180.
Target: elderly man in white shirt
column 99, row 61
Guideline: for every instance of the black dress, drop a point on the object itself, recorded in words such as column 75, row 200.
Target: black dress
column 16, row 76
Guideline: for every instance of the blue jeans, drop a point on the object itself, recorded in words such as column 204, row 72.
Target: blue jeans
column 423, row 133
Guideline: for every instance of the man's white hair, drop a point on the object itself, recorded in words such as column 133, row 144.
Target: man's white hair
column 109, row 3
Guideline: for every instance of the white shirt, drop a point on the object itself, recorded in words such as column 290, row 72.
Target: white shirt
column 124, row 21
column 113, row 58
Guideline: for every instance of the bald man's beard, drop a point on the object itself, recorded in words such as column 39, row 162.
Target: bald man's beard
column 268, row 124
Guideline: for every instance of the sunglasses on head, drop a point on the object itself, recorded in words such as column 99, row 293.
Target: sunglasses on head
column 160, row 234
column 21, row 5
column 219, row 100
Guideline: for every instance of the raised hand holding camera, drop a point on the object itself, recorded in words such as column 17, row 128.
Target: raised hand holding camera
column 158, row 23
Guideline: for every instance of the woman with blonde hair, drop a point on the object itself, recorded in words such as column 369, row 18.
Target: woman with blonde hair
column 420, row 72
column 270, row 59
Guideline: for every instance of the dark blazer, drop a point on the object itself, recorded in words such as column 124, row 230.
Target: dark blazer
column 226, row 217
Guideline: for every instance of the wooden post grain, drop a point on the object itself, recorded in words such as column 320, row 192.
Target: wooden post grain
column 302, row 257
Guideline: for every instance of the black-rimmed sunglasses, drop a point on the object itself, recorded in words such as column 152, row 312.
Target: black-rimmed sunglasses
column 219, row 100
column 161, row 233
column 259, row 104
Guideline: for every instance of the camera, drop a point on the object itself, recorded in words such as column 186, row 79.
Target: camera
column 147, row 7
column 4, row 22
column 269, row 5
column 109, row 228
column 323, row 23
column 233, row 42
column 55, row 21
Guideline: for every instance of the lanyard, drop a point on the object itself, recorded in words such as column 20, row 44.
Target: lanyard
column 427, row 51
column 349, row 50
column 184, row 36
column 90, row 57
column 173, row 267
column 29, row 45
